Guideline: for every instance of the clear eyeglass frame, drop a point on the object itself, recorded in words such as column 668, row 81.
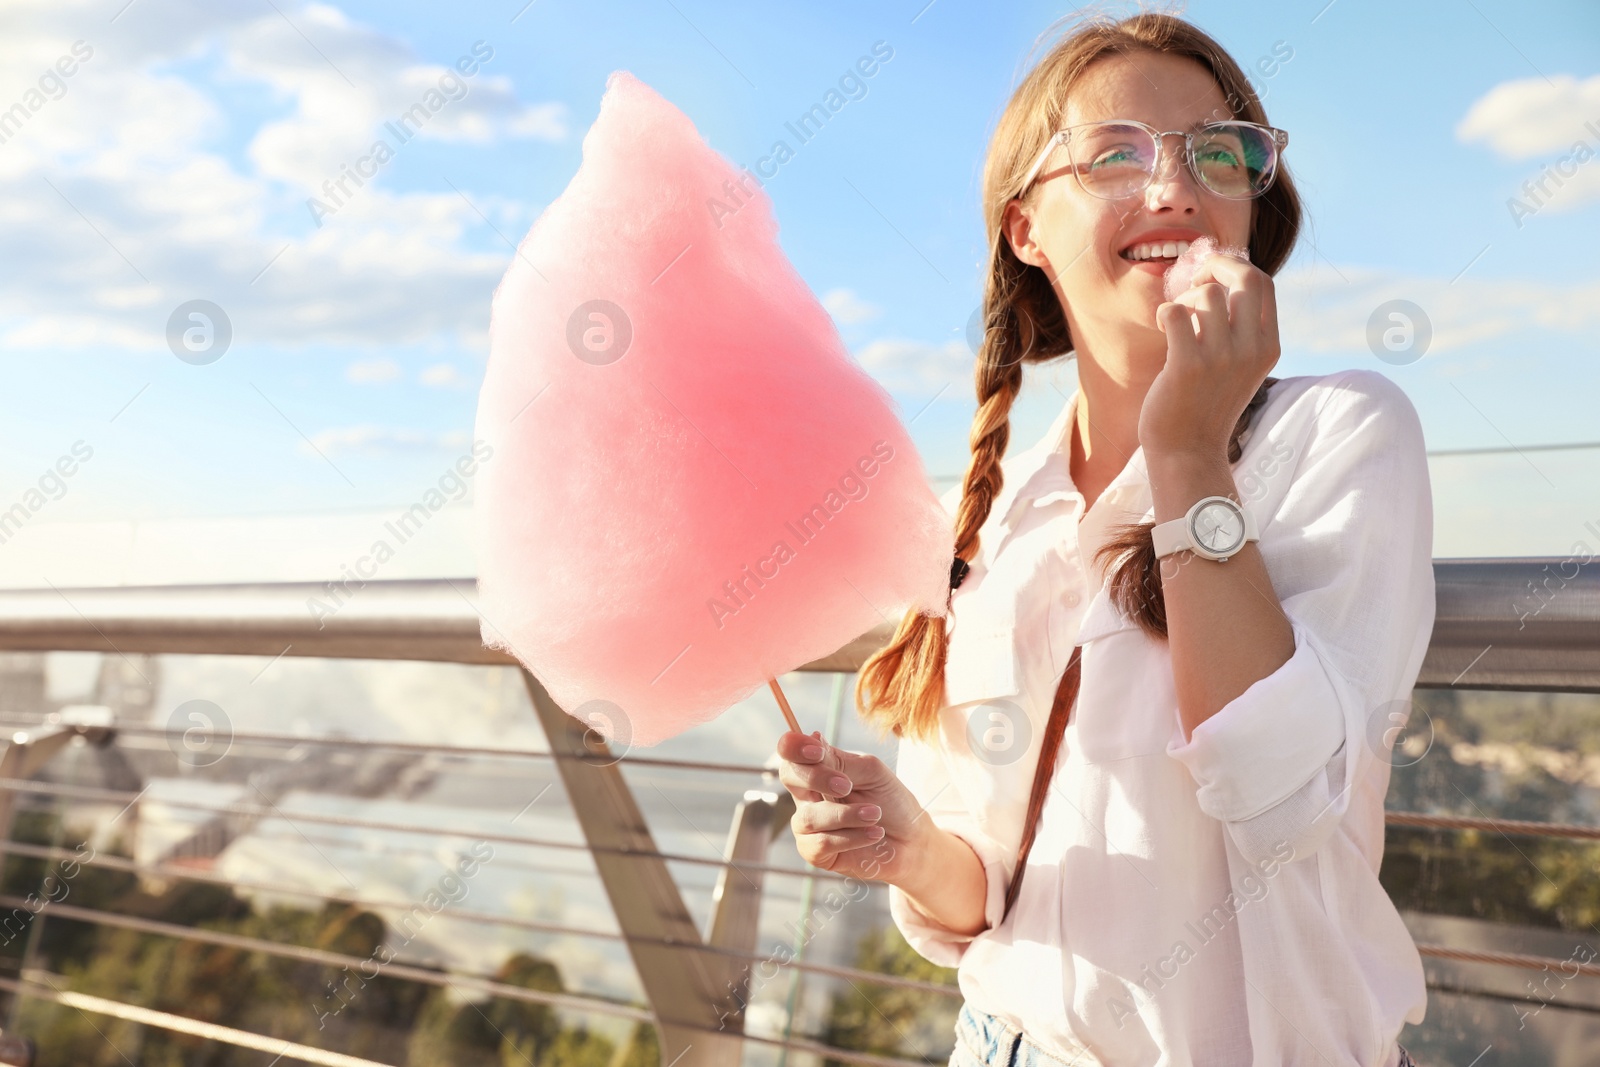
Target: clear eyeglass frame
column 1279, row 139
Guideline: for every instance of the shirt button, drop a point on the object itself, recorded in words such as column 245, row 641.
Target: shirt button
column 1072, row 600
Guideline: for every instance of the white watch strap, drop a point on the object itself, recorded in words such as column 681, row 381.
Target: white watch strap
column 1171, row 536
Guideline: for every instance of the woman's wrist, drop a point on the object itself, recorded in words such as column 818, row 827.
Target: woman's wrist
column 1178, row 479
column 913, row 871
column 944, row 878
column 1185, row 457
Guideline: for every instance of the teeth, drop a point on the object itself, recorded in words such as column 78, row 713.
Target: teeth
column 1156, row 250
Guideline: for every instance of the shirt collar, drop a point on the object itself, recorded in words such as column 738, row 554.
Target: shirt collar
column 1043, row 474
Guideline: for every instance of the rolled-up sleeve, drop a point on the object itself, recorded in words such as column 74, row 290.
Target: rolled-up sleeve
column 1350, row 550
column 921, row 767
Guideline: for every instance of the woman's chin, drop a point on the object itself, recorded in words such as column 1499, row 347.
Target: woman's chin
column 1151, row 286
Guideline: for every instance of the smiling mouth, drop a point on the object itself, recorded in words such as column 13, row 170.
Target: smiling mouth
column 1163, row 252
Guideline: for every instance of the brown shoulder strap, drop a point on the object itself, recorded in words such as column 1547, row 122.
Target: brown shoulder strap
column 1060, row 710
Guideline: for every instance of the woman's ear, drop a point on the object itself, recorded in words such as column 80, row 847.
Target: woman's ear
column 1017, row 225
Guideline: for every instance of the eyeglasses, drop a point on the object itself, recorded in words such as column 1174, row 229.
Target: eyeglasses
column 1118, row 157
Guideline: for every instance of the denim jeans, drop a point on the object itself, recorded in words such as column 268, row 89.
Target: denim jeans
column 983, row 1040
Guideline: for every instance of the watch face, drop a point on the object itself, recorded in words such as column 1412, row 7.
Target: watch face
column 1219, row 528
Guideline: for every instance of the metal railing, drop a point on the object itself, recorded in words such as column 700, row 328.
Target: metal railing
column 1516, row 624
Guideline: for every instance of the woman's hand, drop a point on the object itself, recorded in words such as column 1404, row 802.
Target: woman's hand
column 1222, row 341
column 852, row 815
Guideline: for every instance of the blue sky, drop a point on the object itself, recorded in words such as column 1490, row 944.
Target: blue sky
column 177, row 162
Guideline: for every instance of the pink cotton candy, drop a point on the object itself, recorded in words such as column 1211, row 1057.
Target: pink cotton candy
column 1181, row 274
column 695, row 487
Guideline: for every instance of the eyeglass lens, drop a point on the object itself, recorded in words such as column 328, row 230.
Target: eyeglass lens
column 1232, row 159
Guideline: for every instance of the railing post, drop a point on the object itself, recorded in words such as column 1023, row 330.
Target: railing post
column 25, row 753
column 681, row 984
column 760, row 817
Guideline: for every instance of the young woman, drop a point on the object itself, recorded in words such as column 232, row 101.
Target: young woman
column 1183, row 626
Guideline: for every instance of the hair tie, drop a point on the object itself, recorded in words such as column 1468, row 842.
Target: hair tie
column 958, row 572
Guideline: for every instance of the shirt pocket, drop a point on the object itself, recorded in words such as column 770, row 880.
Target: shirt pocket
column 980, row 665
column 1127, row 704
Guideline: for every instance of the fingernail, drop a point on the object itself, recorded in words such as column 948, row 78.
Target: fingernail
column 840, row 786
column 869, row 811
column 811, row 752
column 874, row 832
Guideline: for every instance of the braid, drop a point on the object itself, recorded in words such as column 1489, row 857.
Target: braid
column 901, row 686
column 998, row 386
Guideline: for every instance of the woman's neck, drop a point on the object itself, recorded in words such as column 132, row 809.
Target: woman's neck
column 1106, row 425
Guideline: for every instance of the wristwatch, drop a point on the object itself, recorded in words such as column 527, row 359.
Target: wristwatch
column 1214, row 528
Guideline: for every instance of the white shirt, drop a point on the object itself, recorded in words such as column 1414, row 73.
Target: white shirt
column 1214, row 901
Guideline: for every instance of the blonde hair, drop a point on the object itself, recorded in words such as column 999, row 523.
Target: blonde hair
column 901, row 686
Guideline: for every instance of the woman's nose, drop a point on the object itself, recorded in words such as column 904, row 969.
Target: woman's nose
column 1171, row 184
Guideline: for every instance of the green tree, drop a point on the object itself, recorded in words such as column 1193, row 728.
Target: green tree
column 890, row 1020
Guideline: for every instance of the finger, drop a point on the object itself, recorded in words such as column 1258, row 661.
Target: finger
column 1269, row 313
column 863, row 769
column 829, row 816
column 1182, row 346
column 829, row 777
column 833, row 844
column 799, row 748
column 854, row 770
column 796, row 752
column 1222, row 269
column 1190, row 298
column 1244, row 311
column 812, row 751
column 1211, row 309
column 838, row 781
column 814, row 779
column 826, row 780
column 796, row 784
column 1252, row 304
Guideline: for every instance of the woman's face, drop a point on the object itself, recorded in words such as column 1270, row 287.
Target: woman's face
column 1080, row 240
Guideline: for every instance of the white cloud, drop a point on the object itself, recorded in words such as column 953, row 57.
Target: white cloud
column 367, row 371
column 381, row 440
column 1531, row 116
column 442, row 376
column 916, row 366
column 1559, row 120
column 1320, row 311
column 847, row 308
column 365, row 83
column 137, row 189
column 547, row 122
